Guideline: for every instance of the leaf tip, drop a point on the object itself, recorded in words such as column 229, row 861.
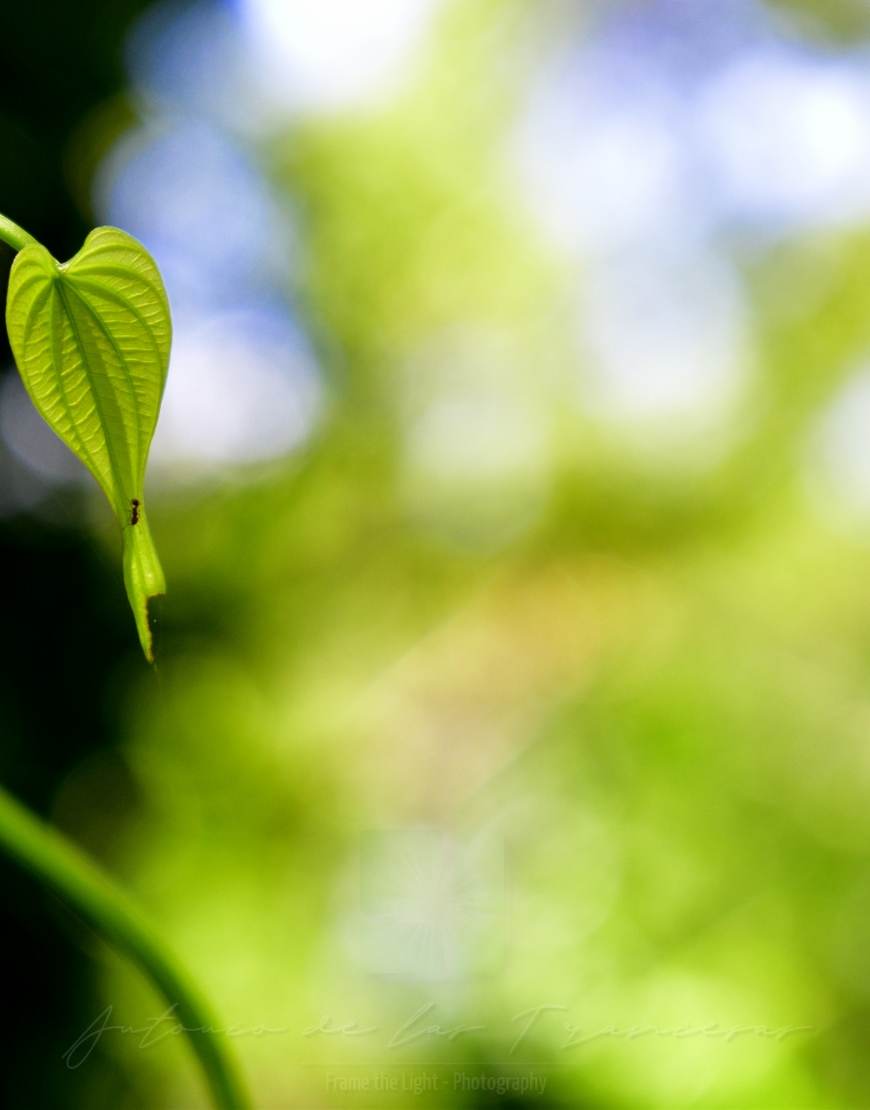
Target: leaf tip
column 143, row 577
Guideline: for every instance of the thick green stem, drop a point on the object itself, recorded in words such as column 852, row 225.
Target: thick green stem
column 14, row 235
column 64, row 869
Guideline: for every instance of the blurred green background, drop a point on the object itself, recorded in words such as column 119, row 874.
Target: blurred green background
column 513, row 493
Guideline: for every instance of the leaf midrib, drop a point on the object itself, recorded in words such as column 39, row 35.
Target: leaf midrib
column 114, row 345
column 110, row 450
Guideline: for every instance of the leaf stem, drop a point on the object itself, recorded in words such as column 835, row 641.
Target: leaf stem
column 15, row 236
column 64, row 869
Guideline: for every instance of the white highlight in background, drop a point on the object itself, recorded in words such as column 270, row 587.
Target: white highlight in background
column 242, row 388
column 668, row 337
column 600, row 173
column 333, row 53
column 788, row 138
column 840, row 474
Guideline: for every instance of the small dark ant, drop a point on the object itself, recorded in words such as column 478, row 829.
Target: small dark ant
column 134, row 516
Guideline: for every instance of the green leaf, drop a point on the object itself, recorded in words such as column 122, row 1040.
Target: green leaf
column 91, row 340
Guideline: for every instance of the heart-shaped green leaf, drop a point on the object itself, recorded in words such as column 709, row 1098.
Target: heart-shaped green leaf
column 91, row 340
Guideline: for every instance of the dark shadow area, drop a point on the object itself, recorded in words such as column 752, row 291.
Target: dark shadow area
column 63, row 622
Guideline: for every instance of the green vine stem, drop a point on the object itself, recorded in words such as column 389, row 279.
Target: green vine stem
column 59, row 865
column 15, row 236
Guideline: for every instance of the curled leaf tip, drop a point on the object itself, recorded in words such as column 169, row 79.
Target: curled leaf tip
column 91, row 341
column 143, row 575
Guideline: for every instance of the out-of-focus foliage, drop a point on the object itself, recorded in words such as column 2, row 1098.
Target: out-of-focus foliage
column 570, row 554
column 843, row 20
